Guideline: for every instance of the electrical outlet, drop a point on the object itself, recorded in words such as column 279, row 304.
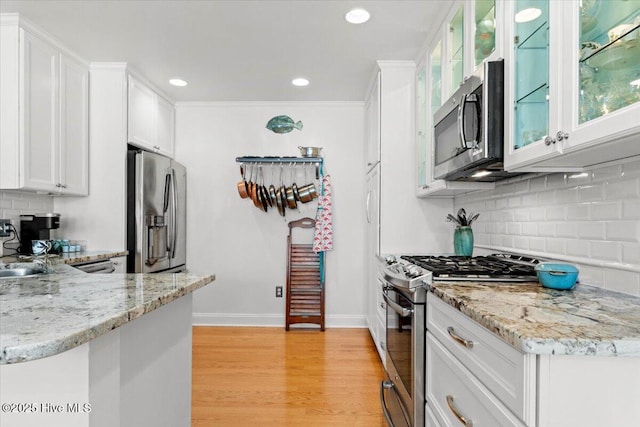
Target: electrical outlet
column 4, row 227
column 278, row 291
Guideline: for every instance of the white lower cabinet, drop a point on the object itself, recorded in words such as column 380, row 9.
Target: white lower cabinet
column 475, row 378
column 457, row 397
column 429, row 417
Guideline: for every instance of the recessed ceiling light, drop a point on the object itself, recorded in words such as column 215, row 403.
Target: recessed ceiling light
column 300, row 81
column 177, row 82
column 357, row 16
column 528, row 15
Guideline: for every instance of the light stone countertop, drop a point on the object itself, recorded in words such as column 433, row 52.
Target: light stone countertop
column 585, row 321
column 44, row 315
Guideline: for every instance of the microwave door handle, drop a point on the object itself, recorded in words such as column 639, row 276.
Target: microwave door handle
column 474, row 98
column 461, row 108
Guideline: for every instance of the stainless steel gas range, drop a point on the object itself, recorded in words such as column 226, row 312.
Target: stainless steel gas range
column 405, row 279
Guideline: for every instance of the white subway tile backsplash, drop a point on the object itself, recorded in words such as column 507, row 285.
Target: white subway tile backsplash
column 514, row 228
column 631, row 209
column 607, row 173
column 628, row 231
column 529, row 199
column 520, row 242
column 537, row 244
column 622, row 281
column 537, row 214
column 547, row 229
column 567, row 229
column 606, row 210
column 594, row 230
column 622, row 189
column 631, row 253
column 578, row 212
column 567, row 195
column 611, row 251
column 590, row 218
column 555, row 213
column 631, row 169
column 556, row 245
column 538, row 183
column 590, row 193
column 547, row 197
column 530, row 229
column 556, row 180
column 577, row 248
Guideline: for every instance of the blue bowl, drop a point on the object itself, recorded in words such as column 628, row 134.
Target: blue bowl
column 557, row 276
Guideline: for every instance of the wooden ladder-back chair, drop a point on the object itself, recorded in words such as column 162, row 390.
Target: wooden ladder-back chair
column 305, row 283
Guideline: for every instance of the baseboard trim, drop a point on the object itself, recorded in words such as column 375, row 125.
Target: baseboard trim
column 270, row 320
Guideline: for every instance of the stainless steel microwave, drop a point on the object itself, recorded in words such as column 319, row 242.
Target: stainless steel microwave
column 469, row 129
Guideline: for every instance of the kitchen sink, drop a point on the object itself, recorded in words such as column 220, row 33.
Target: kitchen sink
column 8, row 273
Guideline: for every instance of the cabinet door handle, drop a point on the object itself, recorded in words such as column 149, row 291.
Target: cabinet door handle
column 562, row 135
column 548, row 140
column 465, row 422
column 458, row 338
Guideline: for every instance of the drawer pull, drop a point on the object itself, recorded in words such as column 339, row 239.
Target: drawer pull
column 460, row 340
column 465, row 422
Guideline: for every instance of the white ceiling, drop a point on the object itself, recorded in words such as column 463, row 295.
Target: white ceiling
column 242, row 50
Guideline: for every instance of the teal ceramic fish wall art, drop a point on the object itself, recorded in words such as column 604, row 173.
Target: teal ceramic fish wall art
column 283, row 124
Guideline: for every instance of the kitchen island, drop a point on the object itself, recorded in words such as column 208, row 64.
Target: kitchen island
column 549, row 357
column 81, row 349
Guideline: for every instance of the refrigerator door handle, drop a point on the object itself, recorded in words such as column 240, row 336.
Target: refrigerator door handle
column 174, row 214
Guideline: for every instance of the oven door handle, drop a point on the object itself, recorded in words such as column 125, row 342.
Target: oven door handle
column 386, row 385
column 402, row 311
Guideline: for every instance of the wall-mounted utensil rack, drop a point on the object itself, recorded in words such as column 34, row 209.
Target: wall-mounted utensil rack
column 274, row 160
column 263, row 181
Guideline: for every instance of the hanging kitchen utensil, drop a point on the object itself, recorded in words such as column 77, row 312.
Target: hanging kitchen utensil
column 263, row 194
column 291, row 200
column 280, row 198
column 272, row 189
column 255, row 192
column 243, row 189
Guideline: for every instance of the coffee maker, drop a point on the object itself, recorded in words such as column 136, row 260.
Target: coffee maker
column 36, row 227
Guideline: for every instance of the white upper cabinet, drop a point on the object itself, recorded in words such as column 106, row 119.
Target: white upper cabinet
column 372, row 112
column 440, row 74
column 151, row 119
column 44, row 114
column 574, row 97
column 473, row 33
column 74, row 122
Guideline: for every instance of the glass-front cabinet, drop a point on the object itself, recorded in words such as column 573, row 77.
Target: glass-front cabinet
column 459, row 48
column 421, row 125
column 484, row 14
column 456, row 49
column 574, row 97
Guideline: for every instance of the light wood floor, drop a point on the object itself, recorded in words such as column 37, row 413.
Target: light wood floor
column 269, row 377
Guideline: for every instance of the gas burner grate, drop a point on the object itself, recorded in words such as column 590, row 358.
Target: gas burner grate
column 494, row 267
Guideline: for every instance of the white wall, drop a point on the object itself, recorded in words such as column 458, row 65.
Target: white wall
column 245, row 247
column 590, row 219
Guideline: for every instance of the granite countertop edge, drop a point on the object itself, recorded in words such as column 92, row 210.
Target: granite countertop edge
column 548, row 341
column 40, row 350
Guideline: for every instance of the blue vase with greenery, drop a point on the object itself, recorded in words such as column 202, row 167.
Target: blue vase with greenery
column 463, row 240
column 463, row 234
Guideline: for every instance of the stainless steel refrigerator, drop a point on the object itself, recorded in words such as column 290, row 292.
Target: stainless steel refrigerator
column 156, row 213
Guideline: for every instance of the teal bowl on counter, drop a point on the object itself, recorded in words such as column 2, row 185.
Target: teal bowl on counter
column 556, row 275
